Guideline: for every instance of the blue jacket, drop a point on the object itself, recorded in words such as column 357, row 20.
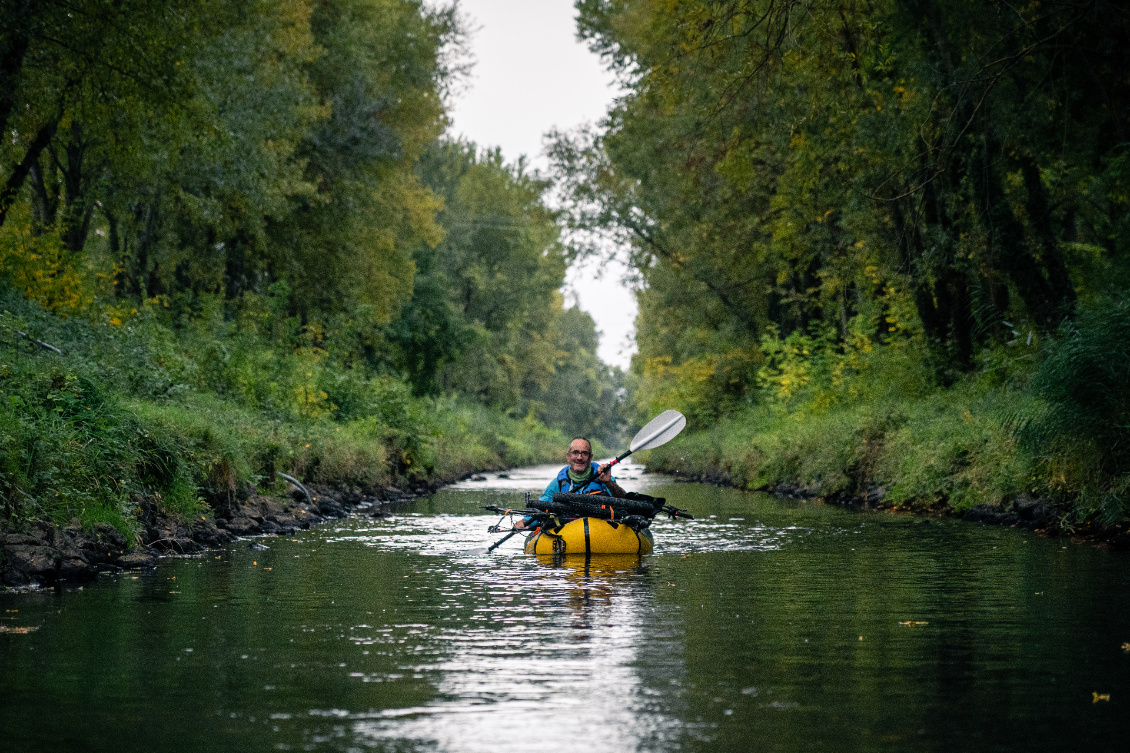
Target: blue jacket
column 562, row 484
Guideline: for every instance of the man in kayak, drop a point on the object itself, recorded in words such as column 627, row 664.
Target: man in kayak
column 581, row 476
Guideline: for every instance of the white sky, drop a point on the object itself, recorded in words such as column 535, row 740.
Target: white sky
column 530, row 75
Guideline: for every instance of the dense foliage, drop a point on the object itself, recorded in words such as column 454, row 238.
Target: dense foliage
column 187, row 419
column 486, row 317
column 822, row 194
column 247, row 213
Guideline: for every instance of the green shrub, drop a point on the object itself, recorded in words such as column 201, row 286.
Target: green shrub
column 1080, row 432
column 922, row 447
column 186, row 418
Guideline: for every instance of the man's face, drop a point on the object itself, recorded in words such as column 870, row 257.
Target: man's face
column 580, row 453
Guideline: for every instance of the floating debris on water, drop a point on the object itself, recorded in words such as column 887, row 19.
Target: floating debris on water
column 14, row 630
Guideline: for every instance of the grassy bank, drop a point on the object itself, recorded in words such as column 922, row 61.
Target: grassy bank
column 950, row 448
column 1038, row 420
column 138, row 411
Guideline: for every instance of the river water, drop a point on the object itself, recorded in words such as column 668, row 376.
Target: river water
column 764, row 625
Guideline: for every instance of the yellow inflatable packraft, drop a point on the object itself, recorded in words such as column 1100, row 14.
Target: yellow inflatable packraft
column 591, row 536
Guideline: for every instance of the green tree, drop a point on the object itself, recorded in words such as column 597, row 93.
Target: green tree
column 60, row 61
column 491, row 284
column 585, row 397
column 485, row 318
column 799, row 166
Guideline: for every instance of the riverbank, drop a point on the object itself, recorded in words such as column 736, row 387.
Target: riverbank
column 45, row 554
column 952, row 452
column 142, row 479
column 121, row 442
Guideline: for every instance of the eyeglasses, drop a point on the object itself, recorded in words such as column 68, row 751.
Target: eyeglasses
column 578, row 454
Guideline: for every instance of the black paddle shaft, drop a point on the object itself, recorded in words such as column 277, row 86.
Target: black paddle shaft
column 501, row 541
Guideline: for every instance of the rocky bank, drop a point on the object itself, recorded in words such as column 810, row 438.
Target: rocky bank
column 44, row 555
column 1023, row 511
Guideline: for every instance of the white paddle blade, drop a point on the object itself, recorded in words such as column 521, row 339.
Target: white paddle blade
column 659, row 430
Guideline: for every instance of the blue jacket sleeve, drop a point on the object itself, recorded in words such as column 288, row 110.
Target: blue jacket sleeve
column 550, row 490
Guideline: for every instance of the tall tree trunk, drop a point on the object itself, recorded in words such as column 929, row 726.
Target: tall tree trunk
column 1040, row 216
column 44, row 194
column 17, row 35
column 960, row 317
column 16, row 180
column 1006, row 235
column 78, row 209
column 936, row 33
column 136, row 278
column 904, row 217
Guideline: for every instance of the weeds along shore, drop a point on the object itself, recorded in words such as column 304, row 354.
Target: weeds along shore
column 117, row 443
column 1036, row 442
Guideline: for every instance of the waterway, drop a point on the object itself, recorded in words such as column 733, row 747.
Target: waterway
column 763, row 625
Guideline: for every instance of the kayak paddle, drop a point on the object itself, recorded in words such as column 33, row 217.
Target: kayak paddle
column 658, row 432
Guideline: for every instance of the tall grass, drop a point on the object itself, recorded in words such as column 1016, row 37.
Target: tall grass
column 187, row 418
column 950, row 448
column 1079, row 432
column 871, row 423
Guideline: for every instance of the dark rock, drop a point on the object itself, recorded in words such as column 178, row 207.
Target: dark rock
column 28, row 564
column 330, row 508
column 305, row 516
column 1034, row 513
column 478, row 478
column 284, row 523
column 105, row 535
column 790, row 490
column 165, row 530
column 240, row 526
column 874, row 494
column 991, row 514
column 138, row 560
column 269, row 507
column 19, row 539
column 60, row 540
column 75, row 568
column 209, row 535
column 43, row 532
column 177, row 545
column 269, row 527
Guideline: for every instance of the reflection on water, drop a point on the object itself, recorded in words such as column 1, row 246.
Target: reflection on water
column 762, row 625
column 502, row 682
